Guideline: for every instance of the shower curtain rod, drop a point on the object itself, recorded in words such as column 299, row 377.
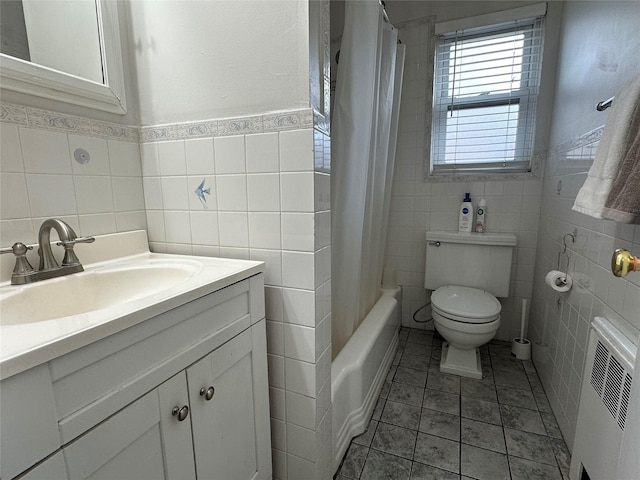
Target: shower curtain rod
column 386, row 17
column 384, row 12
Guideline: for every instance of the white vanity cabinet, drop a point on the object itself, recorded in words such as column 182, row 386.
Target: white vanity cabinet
column 183, row 395
column 143, row 441
column 231, row 379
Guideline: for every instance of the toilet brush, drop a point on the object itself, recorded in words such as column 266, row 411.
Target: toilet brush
column 520, row 346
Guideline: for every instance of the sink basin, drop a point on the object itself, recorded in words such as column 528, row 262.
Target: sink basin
column 90, row 291
column 123, row 285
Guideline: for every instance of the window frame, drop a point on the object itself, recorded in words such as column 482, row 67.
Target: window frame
column 526, row 97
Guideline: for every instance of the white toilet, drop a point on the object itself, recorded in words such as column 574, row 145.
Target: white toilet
column 467, row 271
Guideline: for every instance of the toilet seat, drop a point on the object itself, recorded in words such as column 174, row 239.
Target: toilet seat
column 465, row 304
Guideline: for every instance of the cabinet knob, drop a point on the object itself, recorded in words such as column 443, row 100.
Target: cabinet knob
column 207, row 393
column 180, row 412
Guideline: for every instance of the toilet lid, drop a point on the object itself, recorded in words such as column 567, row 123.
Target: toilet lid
column 466, row 304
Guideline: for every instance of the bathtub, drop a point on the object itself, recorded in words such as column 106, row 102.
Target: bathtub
column 359, row 371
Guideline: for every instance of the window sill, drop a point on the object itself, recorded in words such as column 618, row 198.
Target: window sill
column 536, row 173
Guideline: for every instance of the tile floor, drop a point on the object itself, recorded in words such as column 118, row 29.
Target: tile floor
column 429, row 425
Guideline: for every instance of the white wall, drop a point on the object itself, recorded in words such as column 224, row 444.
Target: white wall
column 598, row 55
column 213, row 59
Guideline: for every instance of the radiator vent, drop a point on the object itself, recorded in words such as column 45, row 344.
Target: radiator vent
column 599, row 368
column 624, row 401
column 607, row 372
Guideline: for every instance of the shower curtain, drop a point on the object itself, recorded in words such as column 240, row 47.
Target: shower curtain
column 363, row 144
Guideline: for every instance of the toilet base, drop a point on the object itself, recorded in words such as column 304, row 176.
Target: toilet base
column 465, row 363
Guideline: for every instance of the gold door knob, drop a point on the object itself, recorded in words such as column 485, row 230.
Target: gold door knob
column 622, row 262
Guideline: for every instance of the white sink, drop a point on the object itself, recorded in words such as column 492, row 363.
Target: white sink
column 47, row 319
column 90, row 291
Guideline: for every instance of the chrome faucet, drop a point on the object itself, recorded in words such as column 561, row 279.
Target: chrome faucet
column 23, row 272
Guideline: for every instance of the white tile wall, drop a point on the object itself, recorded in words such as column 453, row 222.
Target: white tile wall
column 262, row 153
column 199, row 156
column 417, row 206
column 266, row 203
column 171, row 158
column 230, row 155
column 561, row 321
column 40, row 179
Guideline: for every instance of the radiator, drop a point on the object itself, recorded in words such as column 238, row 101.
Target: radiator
column 604, row 402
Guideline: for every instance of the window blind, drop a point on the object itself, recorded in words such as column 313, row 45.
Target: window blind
column 486, row 87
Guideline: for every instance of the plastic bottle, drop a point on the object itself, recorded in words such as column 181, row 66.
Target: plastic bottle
column 481, row 216
column 466, row 215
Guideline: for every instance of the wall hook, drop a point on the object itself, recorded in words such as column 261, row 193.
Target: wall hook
column 564, row 250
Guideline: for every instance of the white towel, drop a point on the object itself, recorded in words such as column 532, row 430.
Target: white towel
column 619, row 134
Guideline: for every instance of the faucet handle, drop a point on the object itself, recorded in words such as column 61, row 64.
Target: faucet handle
column 70, row 258
column 71, row 243
column 20, row 250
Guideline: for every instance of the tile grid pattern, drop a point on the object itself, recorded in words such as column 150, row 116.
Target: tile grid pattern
column 41, row 179
column 429, row 425
column 418, row 206
column 561, row 322
column 267, row 200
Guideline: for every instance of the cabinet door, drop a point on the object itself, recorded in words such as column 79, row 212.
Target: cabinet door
column 52, row 468
column 229, row 428
column 142, row 441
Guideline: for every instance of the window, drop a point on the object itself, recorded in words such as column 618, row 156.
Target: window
column 485, row 93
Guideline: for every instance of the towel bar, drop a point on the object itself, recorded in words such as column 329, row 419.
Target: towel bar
column 603, row 105
column 622, row 262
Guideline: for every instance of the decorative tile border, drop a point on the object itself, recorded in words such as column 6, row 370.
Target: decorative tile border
column 292, row 120
column 60, row 122
column 115, row 131
column 270, row 122
column 47, row 120
column 14, row 115
column 578, row 142
column 179, row 131
column 575, row 155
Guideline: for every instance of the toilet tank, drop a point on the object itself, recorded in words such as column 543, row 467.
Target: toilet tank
column 479, row 260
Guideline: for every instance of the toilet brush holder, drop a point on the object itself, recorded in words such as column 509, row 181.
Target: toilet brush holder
column 521, row 348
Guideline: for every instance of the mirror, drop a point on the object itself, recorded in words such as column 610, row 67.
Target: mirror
column 66, row 50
